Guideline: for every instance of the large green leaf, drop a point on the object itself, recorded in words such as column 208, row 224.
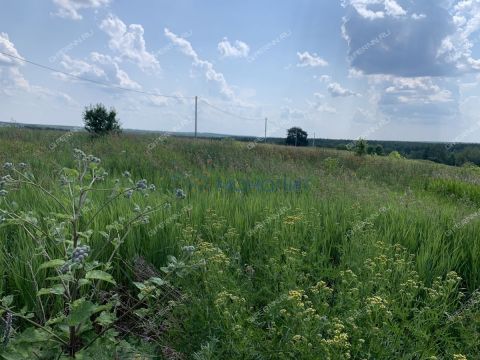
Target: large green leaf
column 100, row 275
column 81, row 312
column 52, row 263
column 57, row 289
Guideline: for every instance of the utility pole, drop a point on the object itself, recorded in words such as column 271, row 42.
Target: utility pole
column 313, row 139
column 196, row 115
column 296, row 137
column 266, row 119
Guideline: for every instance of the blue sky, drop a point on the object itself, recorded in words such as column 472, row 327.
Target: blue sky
column 377, row 69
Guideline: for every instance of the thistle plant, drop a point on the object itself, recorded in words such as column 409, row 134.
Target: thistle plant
column 70, row 317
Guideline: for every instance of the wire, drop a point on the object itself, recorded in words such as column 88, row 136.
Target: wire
column 95, row 81
column 229, row 113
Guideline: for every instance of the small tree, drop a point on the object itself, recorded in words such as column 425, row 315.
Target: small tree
column 99, row 121
column 379, row 150
column 297, row 137
column 361, row 147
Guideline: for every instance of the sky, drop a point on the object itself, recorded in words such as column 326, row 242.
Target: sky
column 343, row 69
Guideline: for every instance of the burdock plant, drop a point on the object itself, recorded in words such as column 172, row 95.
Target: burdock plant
column 69, row 262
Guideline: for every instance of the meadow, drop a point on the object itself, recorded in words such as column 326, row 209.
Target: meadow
column 269, row 252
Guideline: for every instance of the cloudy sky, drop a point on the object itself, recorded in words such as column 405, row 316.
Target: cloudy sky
column 377, row 69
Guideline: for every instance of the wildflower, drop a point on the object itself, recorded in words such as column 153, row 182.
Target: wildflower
column 3, row 192
column 8, row 166
column 128, row 194
column 63, row 180
column 295, row 295
column 459, row 357
column 142, row 184
column 298, row 338
column 22, row 165
column 189, row 249
column 151, row 187
column 126, row 174
column 180, row 194
column 93, row 159
column 80, row 253
column 137, row 208
column 79, row 154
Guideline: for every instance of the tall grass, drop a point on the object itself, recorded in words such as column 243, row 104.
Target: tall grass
column 271, row 252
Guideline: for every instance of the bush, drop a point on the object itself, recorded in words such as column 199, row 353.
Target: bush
column 361, row 147
column 99, row 121
column 395, row 155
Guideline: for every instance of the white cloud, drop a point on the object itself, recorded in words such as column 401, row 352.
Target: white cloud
column 426, row 98
column 312, row 60
column 323, row 78
column 372, row 9
column 457, row 47
column 99, row 68
column 210, row 73
column 129, row 43
column 336, row 90
column 112, row 70
column 12, row 79
column 393, row 9
column 416, row 16
column 238, row 50
column 69, row 8
column 320, row 105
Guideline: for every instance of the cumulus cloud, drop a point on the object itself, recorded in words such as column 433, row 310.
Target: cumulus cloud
column 128, row 42
column 291, row 114
column 412, row 70
column 376, row 9
column 69, row 9
column 210, row 73
column 336, row 90
column 320, row 105
column 12, row 78
column 425, row 38
column 310, row 60
column 422, row 97
column 99, row 67
column 323, row 78
column 457, row 47
column 237, row 50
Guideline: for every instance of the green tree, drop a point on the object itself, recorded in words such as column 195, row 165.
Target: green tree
column 100, row 121
column 297, row 137
column 379, row 150
column 361, row 147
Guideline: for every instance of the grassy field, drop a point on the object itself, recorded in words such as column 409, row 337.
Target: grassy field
column 278, row 253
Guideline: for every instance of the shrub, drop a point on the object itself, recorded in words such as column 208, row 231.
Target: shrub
column 361, row 147
column 99, row 121
column 78, row 304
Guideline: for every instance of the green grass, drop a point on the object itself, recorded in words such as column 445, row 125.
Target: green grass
column 386, row 286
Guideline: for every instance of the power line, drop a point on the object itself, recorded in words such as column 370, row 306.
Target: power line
column 95, row 81
column 228, row 112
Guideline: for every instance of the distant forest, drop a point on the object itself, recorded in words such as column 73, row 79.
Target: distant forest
column 456, row 154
